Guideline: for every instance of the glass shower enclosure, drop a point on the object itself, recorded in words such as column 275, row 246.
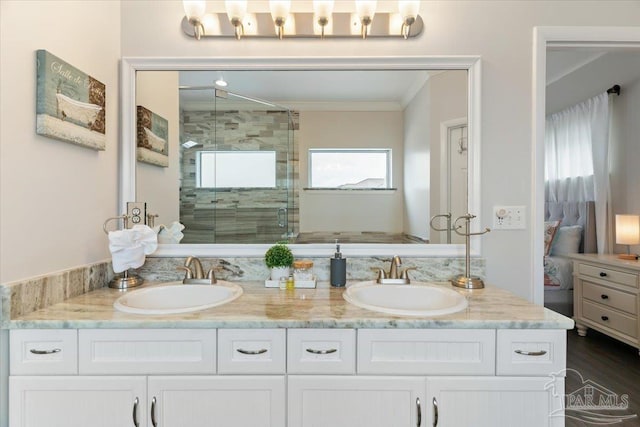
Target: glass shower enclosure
column 237, row 170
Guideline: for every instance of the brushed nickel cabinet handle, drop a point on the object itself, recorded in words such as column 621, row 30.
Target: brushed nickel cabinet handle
column 329, row 351
column 531, row 353
column 604, row 296
column 55, row 350
column 153, row 412
column 603, row 274
column 604, row 318
column 135, row 412
column 435, row 412
column 419, row 412
column 253, row 352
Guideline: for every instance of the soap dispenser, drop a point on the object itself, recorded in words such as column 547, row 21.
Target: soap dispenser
column 338, row 273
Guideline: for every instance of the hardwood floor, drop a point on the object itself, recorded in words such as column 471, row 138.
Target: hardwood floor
column 607, row 362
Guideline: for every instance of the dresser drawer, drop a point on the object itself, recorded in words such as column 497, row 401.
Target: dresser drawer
column 426, row 351
column 530, row 352
column 321, row 351
column 43, row 352
column 610, row 297
column 147, row 351
column 607, row 317
column 251, row 351
column 608, row 274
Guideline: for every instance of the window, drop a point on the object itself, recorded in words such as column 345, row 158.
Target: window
column 233, row 169
column 350, row 169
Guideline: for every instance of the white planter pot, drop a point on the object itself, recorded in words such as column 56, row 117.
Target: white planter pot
column 278, row 272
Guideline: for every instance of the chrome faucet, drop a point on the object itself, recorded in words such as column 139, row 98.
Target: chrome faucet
column 196, row 276
column 395, row 276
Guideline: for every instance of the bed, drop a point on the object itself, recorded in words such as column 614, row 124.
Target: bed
column 575, row 231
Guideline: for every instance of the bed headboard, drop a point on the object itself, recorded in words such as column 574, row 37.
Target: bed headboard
column 575, row 213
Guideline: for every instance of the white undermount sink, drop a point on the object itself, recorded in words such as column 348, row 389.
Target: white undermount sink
column 174, row 297
column 416, row 299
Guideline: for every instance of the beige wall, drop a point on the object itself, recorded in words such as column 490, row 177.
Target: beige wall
column 158, row 186
column 54, row 196
column 347, row 211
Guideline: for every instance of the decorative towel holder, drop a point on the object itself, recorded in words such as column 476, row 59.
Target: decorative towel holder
column 466, row 280
column 127, row 279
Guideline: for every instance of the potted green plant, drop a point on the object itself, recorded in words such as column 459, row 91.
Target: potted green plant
column 279, row 259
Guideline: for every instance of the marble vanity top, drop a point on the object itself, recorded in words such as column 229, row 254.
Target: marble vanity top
column 323, row 307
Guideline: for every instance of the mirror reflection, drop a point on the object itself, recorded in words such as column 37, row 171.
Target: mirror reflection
column 304, row 156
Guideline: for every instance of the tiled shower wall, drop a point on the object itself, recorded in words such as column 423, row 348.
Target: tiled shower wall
column 239, row 215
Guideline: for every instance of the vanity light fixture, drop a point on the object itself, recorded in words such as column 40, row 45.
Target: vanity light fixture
column 365, row 9
column 322, row 11
column 628, row 233
column 409, row 12
column 313, row 20
column 236, row 11
column 279, row 12
column 195, row 11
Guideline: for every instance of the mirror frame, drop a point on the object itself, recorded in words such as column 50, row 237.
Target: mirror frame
column 127, row 186
column 544, row 37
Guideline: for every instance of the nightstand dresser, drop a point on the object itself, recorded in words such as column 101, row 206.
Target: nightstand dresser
column 606, row 296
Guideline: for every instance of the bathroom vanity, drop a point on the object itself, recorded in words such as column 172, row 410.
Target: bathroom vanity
column 288, row 358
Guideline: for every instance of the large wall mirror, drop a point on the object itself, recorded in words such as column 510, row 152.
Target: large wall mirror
column 365, row 151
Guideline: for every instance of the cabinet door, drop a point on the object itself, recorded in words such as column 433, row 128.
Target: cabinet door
column 495, row 402
column 341, row 401
column 207, row 401
column 77, row 401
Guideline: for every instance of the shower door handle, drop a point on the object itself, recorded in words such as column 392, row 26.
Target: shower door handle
column 282, row 217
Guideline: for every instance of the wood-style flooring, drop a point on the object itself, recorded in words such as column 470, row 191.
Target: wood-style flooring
column 610, row 364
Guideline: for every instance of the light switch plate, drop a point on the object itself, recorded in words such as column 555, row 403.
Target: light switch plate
column 509, row 218
column 136, row 213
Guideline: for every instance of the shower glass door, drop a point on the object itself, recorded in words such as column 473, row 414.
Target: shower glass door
column 243, row 186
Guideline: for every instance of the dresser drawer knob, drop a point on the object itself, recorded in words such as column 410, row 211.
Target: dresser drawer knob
column 252, row 352
column 605, row 318
column 603, row 274
column 55, row 350
column 531, row 353
column 604, row 296
column 329, row 351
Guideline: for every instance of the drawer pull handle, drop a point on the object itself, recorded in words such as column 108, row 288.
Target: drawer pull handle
column 153, row 412
column 135, row 412
column 603, row 274
column 435, row 412
column 604, row 318
column 419, row 411
column 531, row 353
column 603, row 296
column 329, row 351
column 252, row 352
column 55, row 350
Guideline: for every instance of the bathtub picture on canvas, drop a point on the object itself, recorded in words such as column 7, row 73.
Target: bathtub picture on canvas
column 70, row 104
column 152, row 137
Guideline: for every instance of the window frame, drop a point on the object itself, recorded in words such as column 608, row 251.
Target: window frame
column 215, row 152
column 388, row 163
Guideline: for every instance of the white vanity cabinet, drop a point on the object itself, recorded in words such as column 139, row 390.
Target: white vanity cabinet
column 288, row 377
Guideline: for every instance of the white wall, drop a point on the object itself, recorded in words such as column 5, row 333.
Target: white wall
column 158, row 186
column 54, row 195
column 351, row 210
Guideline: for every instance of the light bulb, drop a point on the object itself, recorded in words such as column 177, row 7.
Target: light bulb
column 366, row 8
column 236, row 9
column 409, row 8
column 194, row 9
column 279, row 9
column 322, row 10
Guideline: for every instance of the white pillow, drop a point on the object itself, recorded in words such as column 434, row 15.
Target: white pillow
column 567, row 240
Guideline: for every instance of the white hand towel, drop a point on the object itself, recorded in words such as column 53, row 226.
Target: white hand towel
column 129, row 247
column 171, row 235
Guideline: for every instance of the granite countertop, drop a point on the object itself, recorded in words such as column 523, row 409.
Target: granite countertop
column 323, row 307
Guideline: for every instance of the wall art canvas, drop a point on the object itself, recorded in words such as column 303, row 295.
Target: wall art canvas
column 152, row 137
column 70, row 104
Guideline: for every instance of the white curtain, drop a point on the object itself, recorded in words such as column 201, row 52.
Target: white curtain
column 577, row 159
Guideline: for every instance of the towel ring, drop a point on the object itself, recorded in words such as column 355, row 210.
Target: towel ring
column 122, row 217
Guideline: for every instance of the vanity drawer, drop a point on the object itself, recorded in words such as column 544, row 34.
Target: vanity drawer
column 608, row 274
column 147, row 351
column 43, row 352
column 619, row 300
column 426, row 351
column 607, row 317
column 321, row 351
column 251, row 351
column 530, row 352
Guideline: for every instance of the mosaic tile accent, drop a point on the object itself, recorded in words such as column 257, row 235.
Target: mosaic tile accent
column 24, row 296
